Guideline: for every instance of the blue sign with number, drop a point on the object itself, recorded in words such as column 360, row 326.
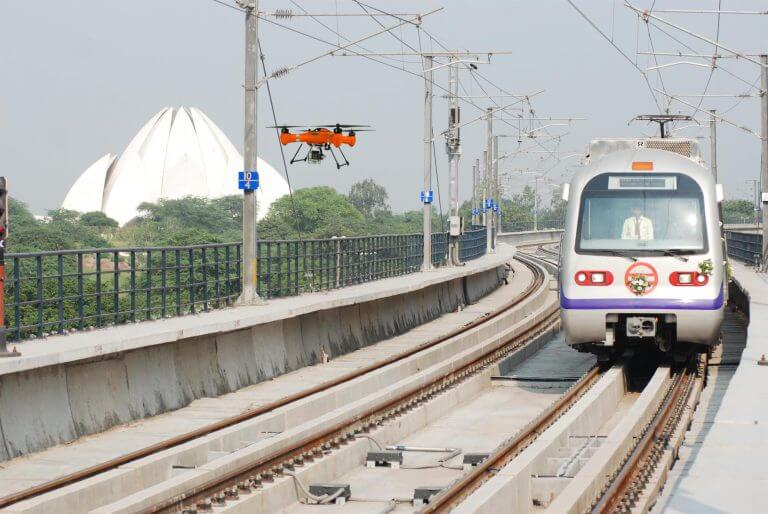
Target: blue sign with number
column 426, row 197
column 248, row 180
column 489, row 203
column 475, row 211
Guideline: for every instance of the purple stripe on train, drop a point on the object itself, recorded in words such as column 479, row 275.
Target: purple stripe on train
column 642, row 303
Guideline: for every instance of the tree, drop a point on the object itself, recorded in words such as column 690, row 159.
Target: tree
column 317, row 212
column 61, row 231
column 553, row 215
column 369, row 197
column 97, row 219
column 19, row 215
column 738, row 210
column 190, row 220
column 517, row 211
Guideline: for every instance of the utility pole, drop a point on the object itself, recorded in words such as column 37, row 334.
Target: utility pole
column 536, row 204
column 713, row 143
column 474, row 186
column 426, row 195
column 764, row 150
column 453, row 148
column 482, row 186
column 495, row 194
column 249, row 293
column 476, row 193
column 487, row 194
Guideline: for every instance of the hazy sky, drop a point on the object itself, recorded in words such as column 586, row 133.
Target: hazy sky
column 78, row 78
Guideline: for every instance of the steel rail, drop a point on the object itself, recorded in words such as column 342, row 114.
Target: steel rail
column 111, row 464
column 629, row 481
column 468, row 483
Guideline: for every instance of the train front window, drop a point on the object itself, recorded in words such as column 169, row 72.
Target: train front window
column 644, row 214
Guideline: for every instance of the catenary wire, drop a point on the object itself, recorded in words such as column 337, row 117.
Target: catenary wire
column 614, row 45
column 282, row 150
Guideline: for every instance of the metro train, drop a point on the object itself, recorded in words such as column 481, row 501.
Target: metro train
column 642, row 254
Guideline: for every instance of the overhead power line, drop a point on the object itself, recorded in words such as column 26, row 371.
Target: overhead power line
column 614, row 45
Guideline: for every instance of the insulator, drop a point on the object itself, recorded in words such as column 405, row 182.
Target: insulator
column 283, row 13
column 280, row 72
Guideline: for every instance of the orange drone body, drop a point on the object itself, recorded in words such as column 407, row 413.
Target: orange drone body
column 321, row 136
column 319, row 140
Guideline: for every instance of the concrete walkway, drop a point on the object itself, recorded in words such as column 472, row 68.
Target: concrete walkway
column 724, row 459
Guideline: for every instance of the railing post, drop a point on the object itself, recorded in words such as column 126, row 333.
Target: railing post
column 338, row 262
column 60, row 293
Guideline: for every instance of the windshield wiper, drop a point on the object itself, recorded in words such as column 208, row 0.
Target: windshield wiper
column 676, row 253
column 621, row 254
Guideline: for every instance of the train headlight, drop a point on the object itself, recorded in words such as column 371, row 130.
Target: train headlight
column 688, row 278
column 594, row 278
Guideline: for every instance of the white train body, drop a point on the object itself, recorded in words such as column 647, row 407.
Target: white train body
column 642, row 256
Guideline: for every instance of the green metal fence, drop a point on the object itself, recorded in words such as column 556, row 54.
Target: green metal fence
column 62, row 291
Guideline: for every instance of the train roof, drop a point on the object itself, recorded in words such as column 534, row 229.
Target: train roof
column 663, row 161
column 689, row 148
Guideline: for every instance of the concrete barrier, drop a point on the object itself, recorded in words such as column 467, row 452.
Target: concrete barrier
column 59, row 397
column 511, row 488
column 538, row 236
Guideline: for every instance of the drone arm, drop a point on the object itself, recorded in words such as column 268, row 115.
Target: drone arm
column 340, row 139
column 287, row 138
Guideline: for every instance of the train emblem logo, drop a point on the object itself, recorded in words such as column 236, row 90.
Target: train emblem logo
column 641, row 278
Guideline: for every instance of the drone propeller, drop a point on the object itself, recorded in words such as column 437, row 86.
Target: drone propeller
column 363, row 130
column 341, row 125
column 285, row 126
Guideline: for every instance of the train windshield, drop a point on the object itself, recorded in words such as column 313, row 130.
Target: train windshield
column 643, row 214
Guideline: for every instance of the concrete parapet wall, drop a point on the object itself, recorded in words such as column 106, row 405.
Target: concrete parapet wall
column 56, row 403
column 538, row 236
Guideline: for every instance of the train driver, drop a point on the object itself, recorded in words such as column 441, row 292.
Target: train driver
column 637, row 226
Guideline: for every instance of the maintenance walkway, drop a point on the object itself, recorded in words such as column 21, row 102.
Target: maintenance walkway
column 722, row 466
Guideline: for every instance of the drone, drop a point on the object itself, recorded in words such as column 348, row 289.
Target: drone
column 319, row 139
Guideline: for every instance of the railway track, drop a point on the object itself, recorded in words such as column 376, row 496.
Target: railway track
column 622, row 488
column 657, row 447
column 632, row 486
column 243, row 479
column 255, row 474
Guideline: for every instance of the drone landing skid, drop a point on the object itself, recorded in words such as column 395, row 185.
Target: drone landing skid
column 316, row 155
column 294, row 159
column 346, row 161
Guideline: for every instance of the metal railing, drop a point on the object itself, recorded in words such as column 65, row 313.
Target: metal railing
column 289, row 268
column 745, row 246
column 62, row 291
column 742, row 220
column 57, row 292
column 472, row 244
column 527, row 226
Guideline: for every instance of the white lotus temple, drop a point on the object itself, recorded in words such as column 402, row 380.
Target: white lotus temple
column 180, row 152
